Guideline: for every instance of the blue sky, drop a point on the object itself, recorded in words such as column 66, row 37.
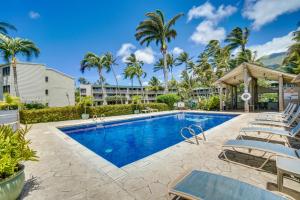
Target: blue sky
column 66, row 30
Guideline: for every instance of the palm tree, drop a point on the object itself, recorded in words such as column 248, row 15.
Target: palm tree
column 159, row 65
column 184, row 58
column 155, row 85
column 4, row 27
column 238, row 38
column 156, row 29
column 10, row 48
column 292, row 59
column 203, row 70
column 187, row 85
column 109, row 63
column 134, row 69
column 83, row 80
column 93, row 61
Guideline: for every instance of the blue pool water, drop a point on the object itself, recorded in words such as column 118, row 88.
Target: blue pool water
column 123, row 142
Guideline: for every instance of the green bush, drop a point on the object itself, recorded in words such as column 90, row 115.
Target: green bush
column 14, row 150
column 211, row 103
column 168, row 99
column 51, row 114
column 30, row 106
column 74, row 112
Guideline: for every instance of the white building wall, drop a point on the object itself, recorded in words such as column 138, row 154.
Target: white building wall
column 32, row 85
column 61, row 89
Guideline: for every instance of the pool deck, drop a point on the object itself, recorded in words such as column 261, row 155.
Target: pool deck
column 67, row 170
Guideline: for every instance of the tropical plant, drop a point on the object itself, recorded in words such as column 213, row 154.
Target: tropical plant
column 156, row 29
column 83, row 81
column 155, row 85
column 93, row 61
column 210, row 103
column 109, row 63
column 169, row 99
column 238, row 38
column 187, row 85
column 4, row 27
column 10, row 48
column 292, row 59
column 136, row 99
column 86, row 101
column 203, row 70
column 134, row 69
column 10, row 102
column 159, row 65
column 14, row 150
column 184, row 58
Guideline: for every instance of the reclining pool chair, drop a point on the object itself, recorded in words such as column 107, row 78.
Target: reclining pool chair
column 292, row 133
column 208, row 186
column 279, row 118
column 268, row 148
column 288, row 124
column 286, row 110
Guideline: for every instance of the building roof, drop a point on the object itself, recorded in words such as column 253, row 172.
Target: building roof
column 236, row 76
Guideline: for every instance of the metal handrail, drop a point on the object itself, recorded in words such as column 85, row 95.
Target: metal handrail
column 191, row 131
column 200, row 128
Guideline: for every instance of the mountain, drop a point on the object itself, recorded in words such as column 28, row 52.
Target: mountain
column 273, row 61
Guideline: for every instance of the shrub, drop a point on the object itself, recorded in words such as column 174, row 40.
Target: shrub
column 136, row 99
column 51, row 114
column 14, row 149
column 30, row 106
column 10, row 102
column 74, row 112
column 211, row 103
column 168, row 99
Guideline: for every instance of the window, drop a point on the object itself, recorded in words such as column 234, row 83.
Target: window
column 46, row 79
column 6, row 89
column 6, row 71
column 46, row 92
column 83, row 90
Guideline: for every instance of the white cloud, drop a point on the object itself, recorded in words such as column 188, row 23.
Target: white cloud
column 146, row 55
column 207, row 31
column 209, row 12
column 34, row 15
column 145, row 83
column 266, row 11
column 276, row 45
column 176, row 51
column 125, row 50
column 119, row 76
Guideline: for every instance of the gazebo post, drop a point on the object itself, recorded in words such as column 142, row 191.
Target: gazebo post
column 280, row 93
column 246, row 77
column 221, row 96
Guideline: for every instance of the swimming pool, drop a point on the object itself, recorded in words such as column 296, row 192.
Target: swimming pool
column 125, row 141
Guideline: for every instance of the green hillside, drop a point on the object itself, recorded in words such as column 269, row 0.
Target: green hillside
column 273, row 61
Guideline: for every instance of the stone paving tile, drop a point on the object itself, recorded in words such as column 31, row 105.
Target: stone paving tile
column 66, row 170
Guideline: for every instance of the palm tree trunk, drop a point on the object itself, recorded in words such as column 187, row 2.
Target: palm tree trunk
column 102, row 88
column 14, row 66
column 165, row 69
column 143, row 95
column 118, row 89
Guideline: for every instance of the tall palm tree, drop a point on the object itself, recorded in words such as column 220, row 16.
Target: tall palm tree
column 238, row 38
column 93, row 61
column 156, row 29
column 134, row 69
column 185, row 59
column 10, row 48
column 4, row 27
column 203, row 70
column 83, row 80
column 187, row 85
column 159, row 65
column 109, row 62
column 292, row 59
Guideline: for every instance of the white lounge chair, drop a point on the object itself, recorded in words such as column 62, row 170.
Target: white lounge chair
column 268, row 148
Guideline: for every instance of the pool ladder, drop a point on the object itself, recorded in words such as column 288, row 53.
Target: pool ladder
column 192, row 130
column 96, row 119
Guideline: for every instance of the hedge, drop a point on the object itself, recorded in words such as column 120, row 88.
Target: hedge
column 74, row 112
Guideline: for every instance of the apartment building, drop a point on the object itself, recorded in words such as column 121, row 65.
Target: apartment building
column 38, row 84
column 128, row 91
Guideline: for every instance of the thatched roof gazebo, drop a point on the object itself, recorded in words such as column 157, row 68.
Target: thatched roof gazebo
column 248, row 74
